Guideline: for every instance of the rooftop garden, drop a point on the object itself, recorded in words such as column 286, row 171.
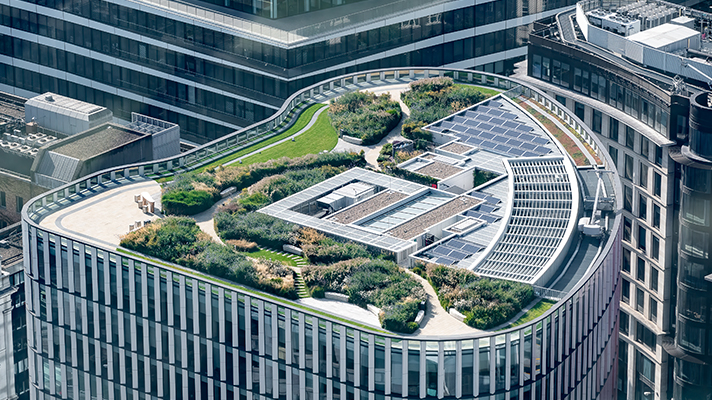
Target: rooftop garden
column 179, row 240
column 433, row 99
column 485, row 302
column 364, row 115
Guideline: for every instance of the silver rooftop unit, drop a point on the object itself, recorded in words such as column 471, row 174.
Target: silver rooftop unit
column 65, row 115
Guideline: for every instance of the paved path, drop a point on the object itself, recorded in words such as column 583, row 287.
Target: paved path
column 438, row 321
column 344, row 310
column 306, row 128
column 565, row 129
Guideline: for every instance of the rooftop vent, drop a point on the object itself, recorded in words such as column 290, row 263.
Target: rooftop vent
column 49, row 98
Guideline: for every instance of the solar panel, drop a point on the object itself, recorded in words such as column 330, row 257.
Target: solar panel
column 528, row 146
column 494, row 103
column 485, row 126
column 514, row 142
column 539, row 140
column 497, row 121
column 486, row 135
column 471, row 248
column 509, row 115
column 516, row 152
column 542, row 149
column 526, row 137
column 440, row 250
column 499, row 129
column 503, row 148
column 474, row 140
column 446, row 124
column 529, row 154
column 458, row 255
column 489, row 218
column 445, row 261
column 511, row 124
column 456, row 244
column 483, row 117
column 471, row 122
column 488, row 208
column 500, row 139
column 488, row 144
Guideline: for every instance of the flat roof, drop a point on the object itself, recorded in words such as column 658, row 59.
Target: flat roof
column 439, row 170
column 65, row 105
column 663, row 35
column 417, row 225
column 98, row 141
column 367, row 207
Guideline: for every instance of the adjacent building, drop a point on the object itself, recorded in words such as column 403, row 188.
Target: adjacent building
column 107, row 324
column 216, row 67
column 637, row 75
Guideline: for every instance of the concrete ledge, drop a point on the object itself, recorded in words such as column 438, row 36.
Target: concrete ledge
column 336, row 296
column 228, row 192
column 351, row 139
column 457, row 315
column 373, row 309
column 419, row 317
column 292, row 249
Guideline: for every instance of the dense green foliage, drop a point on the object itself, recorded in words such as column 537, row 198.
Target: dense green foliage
column 372, row 281
column 180, row 240
column 186, row 202
column 364, row 115
column 485, row 302
column 245, row 176
column 481, row 176
column 256, row 227
column 435, row 98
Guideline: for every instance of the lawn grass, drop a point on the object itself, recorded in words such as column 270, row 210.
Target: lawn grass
column 484, row 90
column 321, row 136
column 299, row 125
column 262, row 253
column 535, row 312
column 253, row 291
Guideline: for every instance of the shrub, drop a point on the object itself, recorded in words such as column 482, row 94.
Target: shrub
column 254, row 202
column 481, row 176
column 172, row 239
column 182, row 202
column 372, row 281
column 364, row 115
column 242, row 245
column 329, row 251
column 318, row 292
column 485, row 302
column 260, row 228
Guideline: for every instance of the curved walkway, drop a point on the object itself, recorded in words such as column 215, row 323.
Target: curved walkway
column 306, row 128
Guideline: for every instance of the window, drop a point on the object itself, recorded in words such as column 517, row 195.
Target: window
column 644, row 147
column 653, row 311
column 561, row 99
column 645, row 336
column 694, row 209
column 656, row 216
column 596, row 126
column 628, row 167
column 654, row 279
column 643, row 178
column 642, row 208
column 579, row 110
column 18, row 204
column 628, row 199
column 624, row 322
column 3, row 204
column 645, row 367
column 626, row 261
column 536, row 66
column 639, row 299
column 629, row 137
column 657, row 184
column 640, row 270
column 614, row 154
column 641, row 237
column 655, row 248
column 627, row 229
column 625, row 290
column 613, row 130
column 659, row 155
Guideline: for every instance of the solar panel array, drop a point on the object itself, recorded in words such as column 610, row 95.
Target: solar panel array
column 144, row 127
column 541, row 212
column 452, row 251
column 484, row 211
column 494, row 129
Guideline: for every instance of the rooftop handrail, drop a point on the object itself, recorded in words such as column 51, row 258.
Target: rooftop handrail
column 51, row 201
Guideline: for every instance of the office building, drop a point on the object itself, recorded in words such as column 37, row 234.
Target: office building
column 107, row 324
column 636, row 74
column 216, row 67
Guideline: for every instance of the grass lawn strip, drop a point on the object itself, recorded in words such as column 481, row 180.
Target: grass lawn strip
column 535, row 312
column 321, row 136
column 303, row 120
column 485, row 90
column 255, row 292
column 273, row 255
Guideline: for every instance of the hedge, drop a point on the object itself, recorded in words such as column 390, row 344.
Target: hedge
column 186, row 202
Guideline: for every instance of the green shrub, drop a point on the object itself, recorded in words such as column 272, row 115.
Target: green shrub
column 254, row 202
column 399, row 317
column 318, row 292
column 182, row 202
column 172, row 239
column 363, row 115
column 262, row 229
column 481, row 176
column 329, row 251
column 485, row 302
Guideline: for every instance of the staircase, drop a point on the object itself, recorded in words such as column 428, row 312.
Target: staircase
column 301, row 286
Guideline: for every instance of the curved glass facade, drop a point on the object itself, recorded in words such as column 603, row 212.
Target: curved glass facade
column 110, row 325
